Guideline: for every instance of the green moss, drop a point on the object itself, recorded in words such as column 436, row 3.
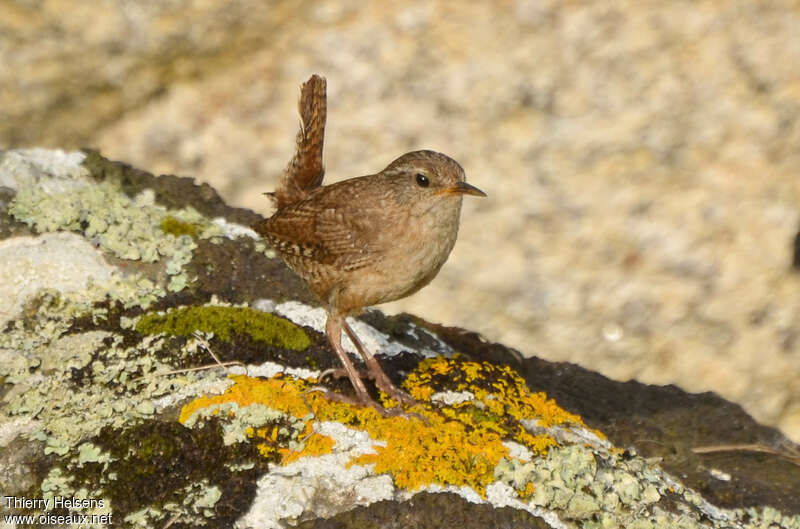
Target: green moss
column 223, row 321
column 177, row 227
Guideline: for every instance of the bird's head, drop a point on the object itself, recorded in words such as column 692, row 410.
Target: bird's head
column 427, row 179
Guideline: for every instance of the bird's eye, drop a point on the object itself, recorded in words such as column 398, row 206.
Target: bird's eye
column 422, row 180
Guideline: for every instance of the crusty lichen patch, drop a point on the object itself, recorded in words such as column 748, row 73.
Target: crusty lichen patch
column 74, row 384
column 457, row 444
column 495, row 391
column 130, row 228
column 224, row 321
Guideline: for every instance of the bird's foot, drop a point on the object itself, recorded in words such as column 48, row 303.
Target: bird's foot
column 337, row 373
column 366, row 400
column 381, row 381
column 385, row 385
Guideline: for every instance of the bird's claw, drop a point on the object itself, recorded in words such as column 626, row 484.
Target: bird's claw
column 381, row 381
column 396, row 411
column 337, row 372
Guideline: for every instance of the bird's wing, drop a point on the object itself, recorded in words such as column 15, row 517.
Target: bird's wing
column 328, row 229
column 291, row 231
column 351, row 241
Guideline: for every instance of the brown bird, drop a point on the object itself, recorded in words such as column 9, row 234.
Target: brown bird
column 366, row 240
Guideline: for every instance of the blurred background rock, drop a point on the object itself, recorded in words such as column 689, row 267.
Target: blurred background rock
column 641, row 158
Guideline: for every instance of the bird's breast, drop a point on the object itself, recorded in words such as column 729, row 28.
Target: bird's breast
column 416, row 252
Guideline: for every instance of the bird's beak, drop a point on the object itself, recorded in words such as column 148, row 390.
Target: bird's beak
column 462, row 188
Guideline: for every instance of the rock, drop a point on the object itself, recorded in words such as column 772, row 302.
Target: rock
column 103, row 404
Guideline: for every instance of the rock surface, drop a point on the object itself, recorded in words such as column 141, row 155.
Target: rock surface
column 101, row 402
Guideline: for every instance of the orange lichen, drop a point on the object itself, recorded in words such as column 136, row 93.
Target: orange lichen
column 283, row 394
column 443, row 451
column 315, row 445
column 458, row 444
column 507, row 395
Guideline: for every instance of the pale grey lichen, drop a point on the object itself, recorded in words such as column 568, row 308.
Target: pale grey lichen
column 582, row 483
column 449, row 398
column 196, row 508
column 594, row 488
column 119, row 385
column 129, row 228
column 57, row 483
column 53, row 169
column 65, row 418
column 143, row 517
column 91, row 453
column 51, row 198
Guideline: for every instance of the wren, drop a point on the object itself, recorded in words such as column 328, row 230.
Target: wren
column 367, row 240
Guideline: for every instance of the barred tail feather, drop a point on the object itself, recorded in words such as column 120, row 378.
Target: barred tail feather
column 304, row 173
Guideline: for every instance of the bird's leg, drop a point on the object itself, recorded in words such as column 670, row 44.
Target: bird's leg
column 376, row 371
column 333, row 329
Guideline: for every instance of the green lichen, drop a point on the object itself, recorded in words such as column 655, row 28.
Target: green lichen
column 177, row 227
column 57, row 483
column 91, row 453
column 124, row 226
column 274, row 433
column 242, row 422
column 224, row 322
column 77, row 383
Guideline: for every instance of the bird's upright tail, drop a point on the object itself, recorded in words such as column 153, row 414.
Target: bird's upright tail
column 304, row 173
